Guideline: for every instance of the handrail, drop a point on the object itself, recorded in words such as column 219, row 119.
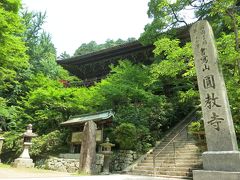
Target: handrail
column 172, row 140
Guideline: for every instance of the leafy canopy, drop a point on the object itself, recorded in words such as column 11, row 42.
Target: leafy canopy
column 92, row 46
column 168, row 16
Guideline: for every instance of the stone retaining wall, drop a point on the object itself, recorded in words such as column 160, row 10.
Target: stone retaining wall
column 70, row 162
column 122, row 159
column 67, row 165
column 63, row 165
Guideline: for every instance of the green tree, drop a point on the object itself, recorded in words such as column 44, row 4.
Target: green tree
column 33, row 22
column 228, row 56
column 230, row 13
column 167, row 16
column 41, row 50
column 13, row 59
column 87, row 48
column 13, row 64
column 173, row 67
column 173, row 74
column 126, row 136
column 64, row 55
column 48, row 103
column 128, row 92
column 6, row 115
column 92, row 46
column 23, row 82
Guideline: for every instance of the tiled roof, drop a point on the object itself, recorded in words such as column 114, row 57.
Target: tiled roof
column 98, row 116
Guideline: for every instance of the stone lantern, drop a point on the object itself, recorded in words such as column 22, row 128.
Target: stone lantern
column 107, row 152
column 24, row 159
column 1, row 142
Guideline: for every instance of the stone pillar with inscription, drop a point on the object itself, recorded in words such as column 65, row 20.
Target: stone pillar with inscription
column 87, row 160
column 222, row 160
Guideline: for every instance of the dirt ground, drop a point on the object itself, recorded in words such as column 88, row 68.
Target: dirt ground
column 9, row 172
column 39, row 174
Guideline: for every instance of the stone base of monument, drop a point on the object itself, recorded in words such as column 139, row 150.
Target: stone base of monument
column 220, row 165
column 212, row 175
column 221, row 160
column 23, row 163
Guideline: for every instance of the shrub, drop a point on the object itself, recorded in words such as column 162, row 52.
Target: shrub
column 47, row 144
column 196, row 126
column 12, row 146
column 130, row 137
column 126, row 135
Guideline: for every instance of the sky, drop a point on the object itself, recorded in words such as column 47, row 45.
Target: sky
column 73, row 22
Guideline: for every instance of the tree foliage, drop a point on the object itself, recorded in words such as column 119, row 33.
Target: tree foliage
column 47, row 144
column 92, row 46
column 126, row 135
column 127, row 91
column 228, row 56
column 64, row 55
column 168, row 16
column 28, row 66
column 173, row 67
column 13, row 59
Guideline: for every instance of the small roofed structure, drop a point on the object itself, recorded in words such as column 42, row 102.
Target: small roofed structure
column 76, row 123
column 98, row 117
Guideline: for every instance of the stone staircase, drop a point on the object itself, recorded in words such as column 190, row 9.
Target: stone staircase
column 175, row 156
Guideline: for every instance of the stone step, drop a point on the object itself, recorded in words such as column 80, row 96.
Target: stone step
column 175, row 173
column 190, row 140
column 175, row 159
column 181, row 157
column 164, row 168
column 177, row 152
column 169, row 173
column 179, row 149
column 167, row 165
column 163, row 176
column 178, row 144
column 184, row 137
column 171, row 161
column 171, row 147
column 178, row 139
column 172, row 166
